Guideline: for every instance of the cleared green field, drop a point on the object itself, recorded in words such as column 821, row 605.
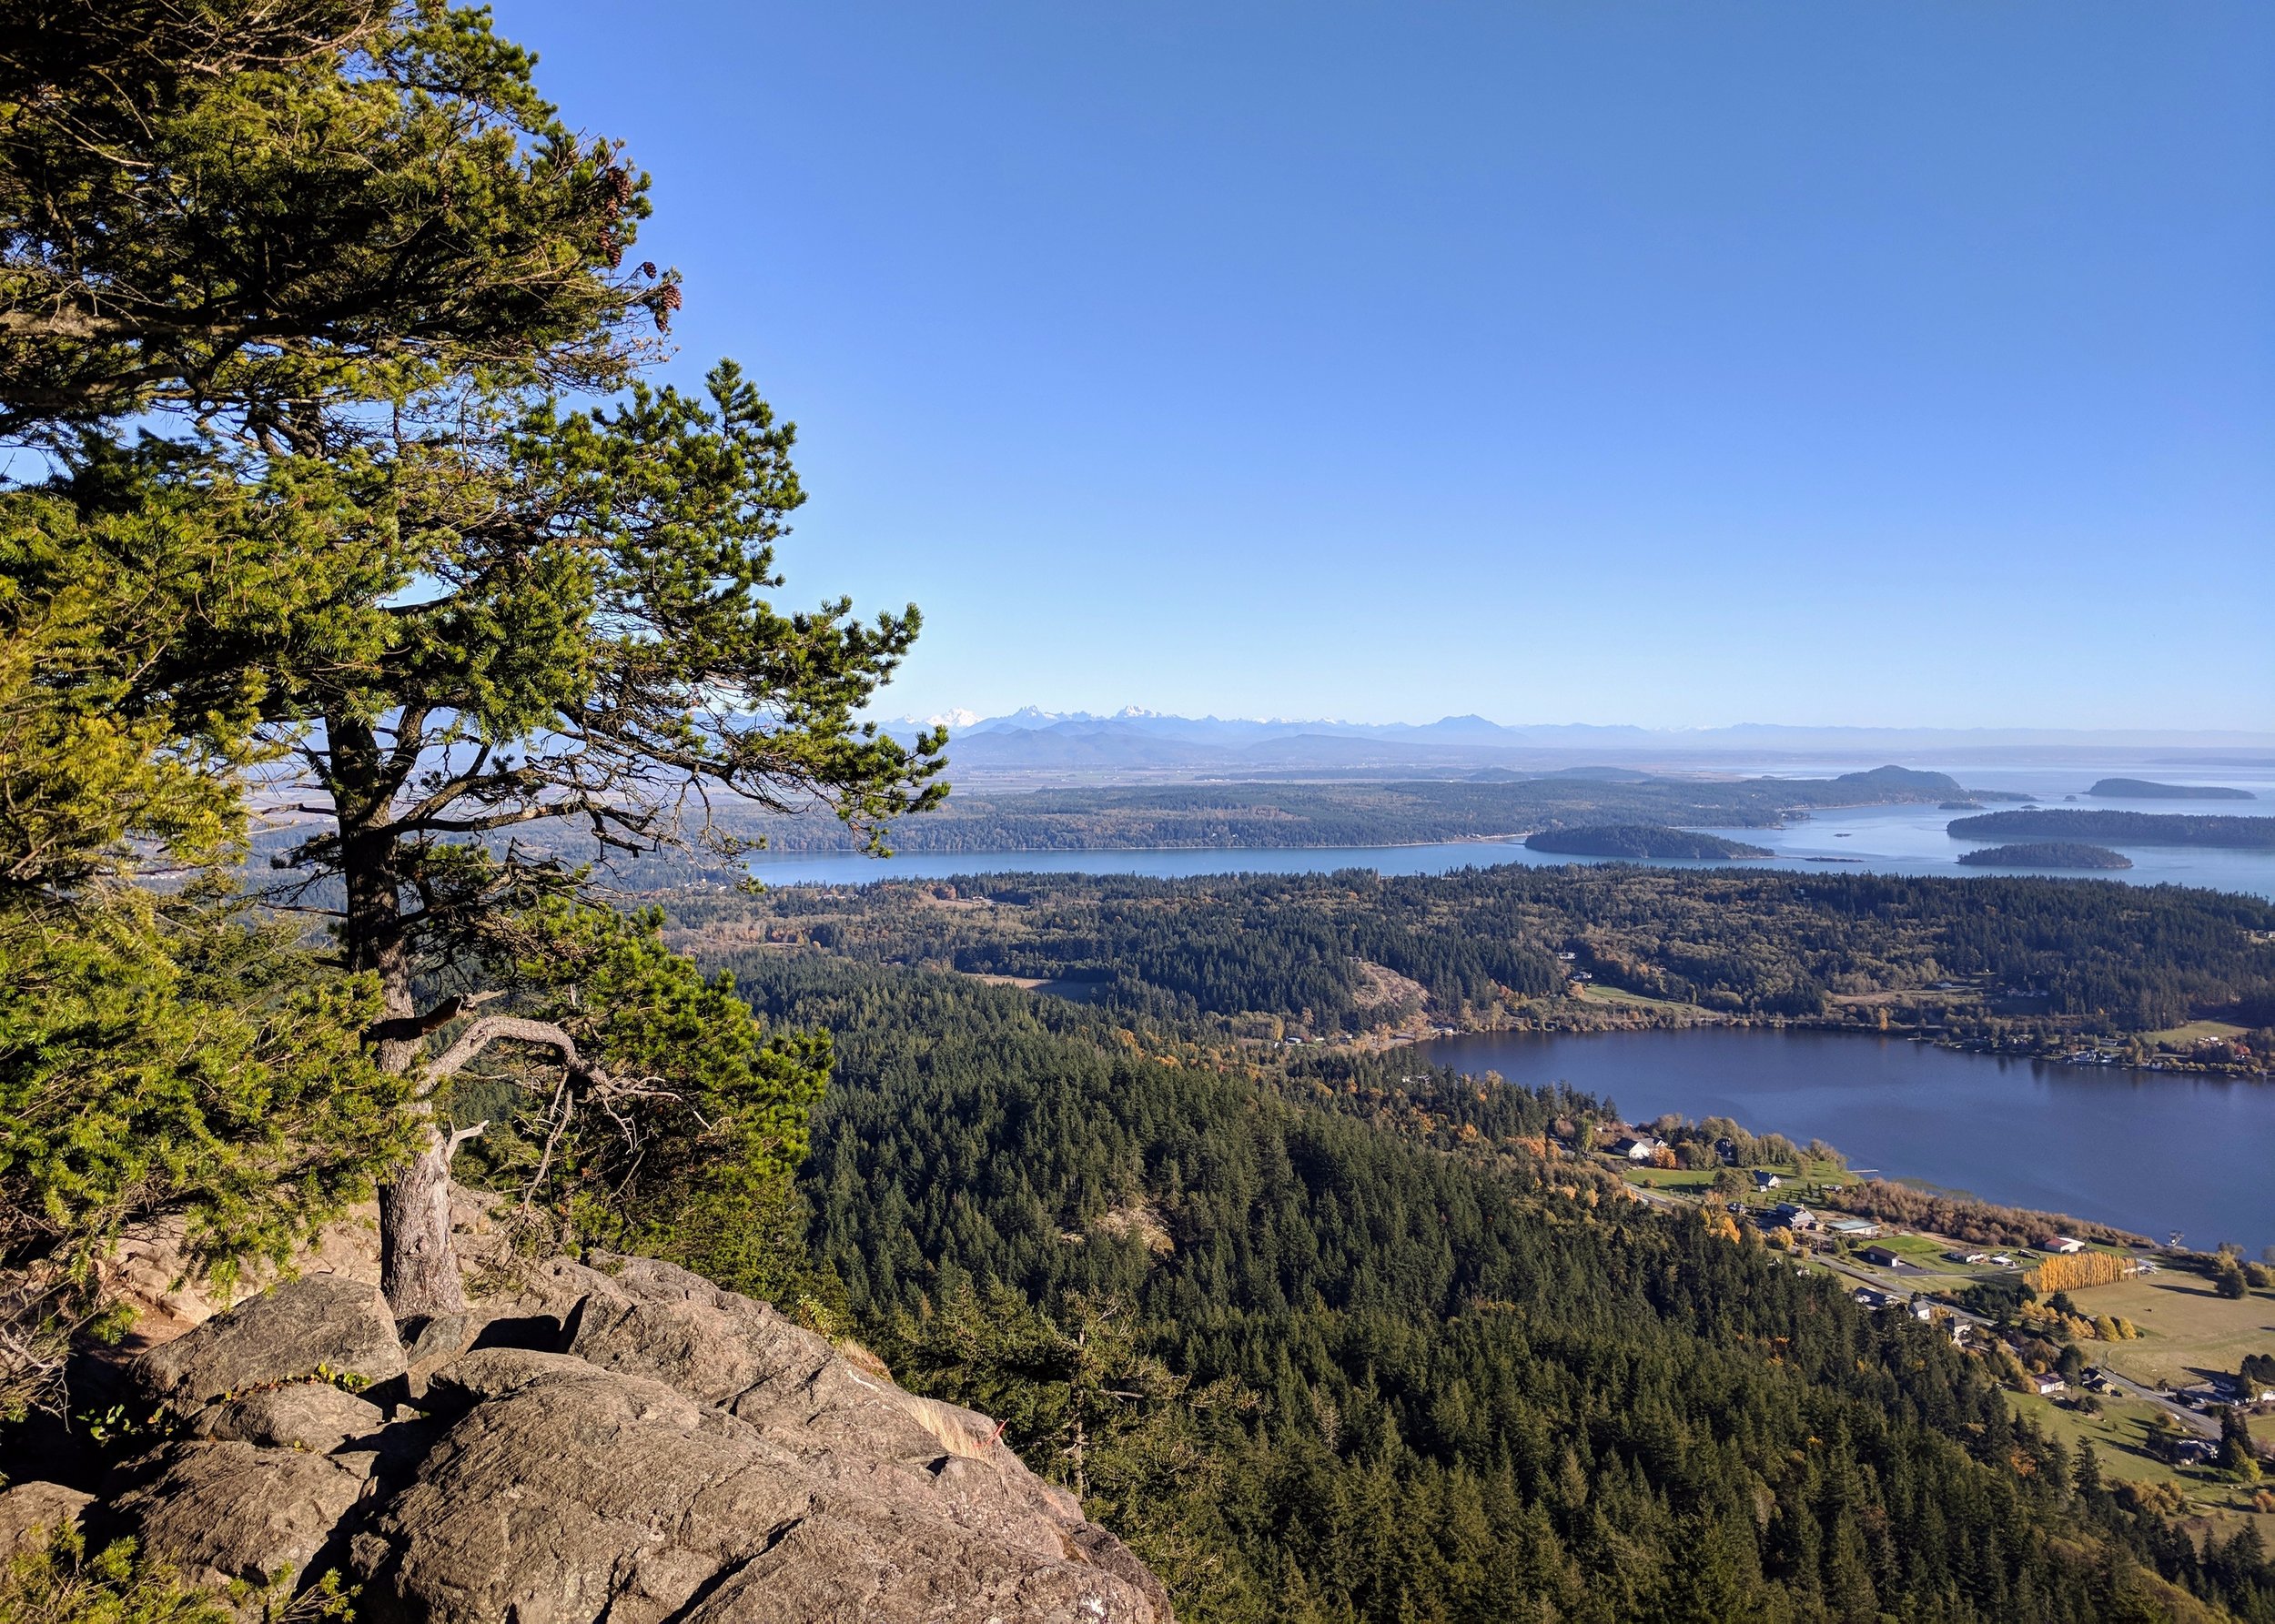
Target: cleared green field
column 2192, row 1033
column 1675, row 1181
column 2119, row 1435
column 2188, row 1330
column 1617, row 998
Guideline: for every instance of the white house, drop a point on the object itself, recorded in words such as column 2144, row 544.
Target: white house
column 2047, row 1386
column 2062, row 1243
column 1638, row 1148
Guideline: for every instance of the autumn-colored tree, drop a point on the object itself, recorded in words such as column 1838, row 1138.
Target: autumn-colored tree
column 2075, row 1271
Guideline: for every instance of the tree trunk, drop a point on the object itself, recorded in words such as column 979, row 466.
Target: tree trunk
column 417, row 1259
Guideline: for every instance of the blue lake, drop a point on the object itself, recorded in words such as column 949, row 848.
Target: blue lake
column 2152, row 1152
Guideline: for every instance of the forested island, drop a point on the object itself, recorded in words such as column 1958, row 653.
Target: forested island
column 2124, row 828
column 2052, row 854
column 1226, row 815
column 2143, row 789
column 1639, row 840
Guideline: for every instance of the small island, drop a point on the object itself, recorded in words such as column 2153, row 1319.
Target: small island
column 1638, row 840
column 2143, row 789
column 2049, row 853
column 1962, row 806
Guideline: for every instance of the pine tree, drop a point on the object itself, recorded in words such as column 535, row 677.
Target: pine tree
column 308, row 280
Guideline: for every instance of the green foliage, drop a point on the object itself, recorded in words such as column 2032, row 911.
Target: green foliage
column 2052, row 854
column 258, row 210
column 2091, row 957
column 293, row 292
column 2130, row 828
column 1641, row 840
column 58, row 1581
column 98, row 751
column 187, row 1065
column 690, row 1151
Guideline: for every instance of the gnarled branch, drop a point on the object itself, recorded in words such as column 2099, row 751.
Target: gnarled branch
column 519, row 1029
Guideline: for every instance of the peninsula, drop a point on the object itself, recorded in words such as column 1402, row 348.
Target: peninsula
column 2128, row 828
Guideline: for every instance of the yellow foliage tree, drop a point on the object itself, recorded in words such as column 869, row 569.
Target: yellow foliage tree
column 2076, row 1271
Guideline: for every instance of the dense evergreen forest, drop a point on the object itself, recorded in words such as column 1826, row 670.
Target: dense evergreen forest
column 1353, row 814
column 2128, row 828
column 1319, row 1367
column 2009, row 960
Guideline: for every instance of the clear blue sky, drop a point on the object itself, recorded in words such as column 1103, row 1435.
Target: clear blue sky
column 1886, row 361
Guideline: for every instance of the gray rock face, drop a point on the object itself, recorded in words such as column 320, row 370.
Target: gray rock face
column 223, row 1511
column 676, row 1453
column 290, row 1330
column 46, row 1506
column 312, row 1416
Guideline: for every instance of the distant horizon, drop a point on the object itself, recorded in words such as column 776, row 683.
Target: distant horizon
column 966, row 719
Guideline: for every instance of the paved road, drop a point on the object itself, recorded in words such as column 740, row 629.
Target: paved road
column 2192, row 1420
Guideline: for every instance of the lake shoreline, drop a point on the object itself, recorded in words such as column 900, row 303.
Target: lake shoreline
column 2147, row 1152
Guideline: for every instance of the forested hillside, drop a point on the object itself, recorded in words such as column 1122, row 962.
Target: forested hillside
column 1318, row 1370
column 2023, row 959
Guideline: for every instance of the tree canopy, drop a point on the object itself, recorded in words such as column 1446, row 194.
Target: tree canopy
column 348, row 505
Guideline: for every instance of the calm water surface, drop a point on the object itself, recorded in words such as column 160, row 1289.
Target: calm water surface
column 2151, row 1151
column 1878, row 840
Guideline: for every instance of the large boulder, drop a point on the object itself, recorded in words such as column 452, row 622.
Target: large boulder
column 226, row 1510
column 312, row 1416
column 566, row 1493
column 318, row 1324
column 42, row 1508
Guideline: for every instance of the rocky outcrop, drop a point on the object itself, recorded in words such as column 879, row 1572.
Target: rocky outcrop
column 625, row 1443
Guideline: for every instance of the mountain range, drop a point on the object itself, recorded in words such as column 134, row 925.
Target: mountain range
column 1032, row 739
